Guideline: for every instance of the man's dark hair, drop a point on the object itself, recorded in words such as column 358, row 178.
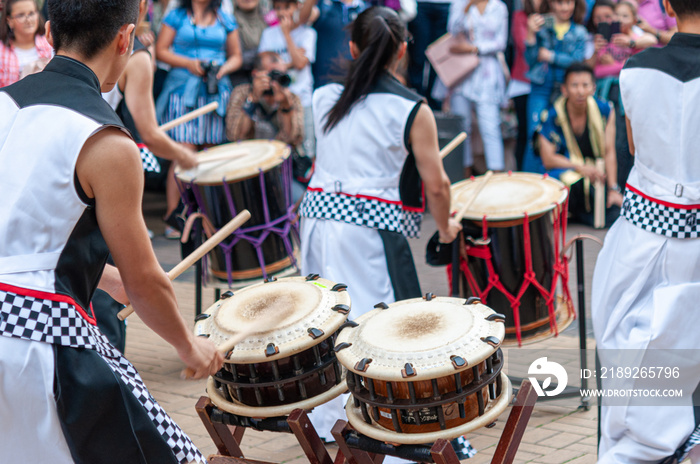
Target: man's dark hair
column 87, row 26
column 577, row 68
column 258, row 63
column 686, row 7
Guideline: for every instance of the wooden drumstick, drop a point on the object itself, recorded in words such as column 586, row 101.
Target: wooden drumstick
column 599, row 199
column 213, row 106
column 199, row 253
column 447, row 149
column 463, row 210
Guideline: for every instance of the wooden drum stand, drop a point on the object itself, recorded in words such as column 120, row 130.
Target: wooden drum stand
column 226, row 430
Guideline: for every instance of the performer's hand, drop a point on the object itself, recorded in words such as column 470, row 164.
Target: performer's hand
column 614, row 198
column 449, row 235
column 201, row 357
column 187, row 158
column 111, row 283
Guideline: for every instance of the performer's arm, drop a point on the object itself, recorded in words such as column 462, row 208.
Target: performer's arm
column 424, row 142
column 138, row 94
column 109, row 170
column 630, row 138
column 111, row 282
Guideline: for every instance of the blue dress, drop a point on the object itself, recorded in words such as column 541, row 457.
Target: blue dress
column 183, row 91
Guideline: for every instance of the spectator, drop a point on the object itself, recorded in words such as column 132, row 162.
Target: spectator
column 519, row 87
column 23, row 47
column 575, row 131
column 251, row 23
column 296, row 44
column 429, row 25
column 267, row 109
column 607, row 62
column 656, row 21
column 554, row 41
column 332, row 35
column 483, row 24
column 201, row 44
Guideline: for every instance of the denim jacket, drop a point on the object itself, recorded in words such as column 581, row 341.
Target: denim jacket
column 566, row 51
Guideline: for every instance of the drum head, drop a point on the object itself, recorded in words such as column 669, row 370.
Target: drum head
column 509, row 196
column 426, row 334
column 282, row 313
column 235, row 161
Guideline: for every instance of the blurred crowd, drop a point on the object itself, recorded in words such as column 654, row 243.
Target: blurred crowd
column 261, row 60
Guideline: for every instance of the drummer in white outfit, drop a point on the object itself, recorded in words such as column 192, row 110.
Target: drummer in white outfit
column 646, row 284
column 376, row 141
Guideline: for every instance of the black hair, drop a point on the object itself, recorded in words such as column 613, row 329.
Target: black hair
column 378, row 34
column 6, row 34
column 258, row 62
column 576, row 68
column 685, row 7
column 286, row 2
column 88, row 26
column 592, row 28
column 529, row 7
column 579, row 9
column 213, row 6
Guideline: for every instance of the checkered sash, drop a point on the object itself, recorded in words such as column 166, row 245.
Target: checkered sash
column 659, row 218
column 362, row 211
column 148, row 159
column 59, row 323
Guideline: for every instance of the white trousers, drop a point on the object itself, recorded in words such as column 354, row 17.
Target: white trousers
column 29, row 426
column 489, row 119
column 646, row 291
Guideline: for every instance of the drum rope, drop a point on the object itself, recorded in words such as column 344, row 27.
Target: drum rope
column 560, row 270
column 269, row 226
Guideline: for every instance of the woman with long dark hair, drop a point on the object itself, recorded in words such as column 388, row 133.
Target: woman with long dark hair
column 376, row 143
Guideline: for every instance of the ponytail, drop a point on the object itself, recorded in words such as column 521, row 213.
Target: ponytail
column 378, row 33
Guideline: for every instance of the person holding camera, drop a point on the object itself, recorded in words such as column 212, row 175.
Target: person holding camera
column 267, row 109
column 555, row 39
column 201, row 43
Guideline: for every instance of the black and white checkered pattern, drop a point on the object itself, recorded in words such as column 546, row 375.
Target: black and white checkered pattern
column 148, row 160
column 367, row 212
column 60, row 323
column 463, row 448
column 661, row 219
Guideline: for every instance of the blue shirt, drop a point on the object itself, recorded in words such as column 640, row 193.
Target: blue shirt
column 333, row 37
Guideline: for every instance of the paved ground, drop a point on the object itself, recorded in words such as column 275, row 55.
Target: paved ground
column 558, row 432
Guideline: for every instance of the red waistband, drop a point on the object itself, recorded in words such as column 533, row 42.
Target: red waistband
column 48, row 296
column 661, row 202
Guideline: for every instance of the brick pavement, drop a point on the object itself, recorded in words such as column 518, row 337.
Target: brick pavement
column 558, row 431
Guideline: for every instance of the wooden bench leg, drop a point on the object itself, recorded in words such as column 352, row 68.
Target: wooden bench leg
column 516, row 424
column 308, row 438
column 226, row 438
column 352, row 455
column 443, row 452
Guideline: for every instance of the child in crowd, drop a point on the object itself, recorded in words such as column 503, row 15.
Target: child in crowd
column 555, row 40
column 296, row 44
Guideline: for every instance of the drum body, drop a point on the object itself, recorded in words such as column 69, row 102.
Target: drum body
column 256, row 177
column 510, row 258
column 423, row 365
column 290, row 359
